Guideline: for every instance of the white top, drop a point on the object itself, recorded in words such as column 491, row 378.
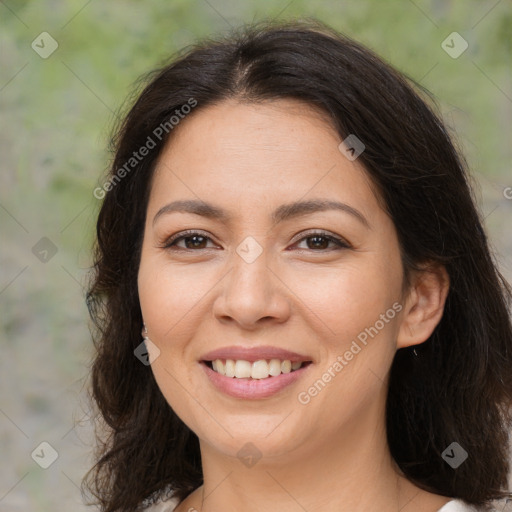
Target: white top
column 164, row 506
column 457, row 506
column 451, row 506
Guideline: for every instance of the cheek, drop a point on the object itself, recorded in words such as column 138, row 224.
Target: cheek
column 358, row 305
column 348, row 298
column 357, row 337
column 171, row 297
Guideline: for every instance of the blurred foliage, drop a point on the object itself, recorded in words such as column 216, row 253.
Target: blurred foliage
column 57, row 114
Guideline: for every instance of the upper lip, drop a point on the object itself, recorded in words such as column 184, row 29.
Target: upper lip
column 252, row 354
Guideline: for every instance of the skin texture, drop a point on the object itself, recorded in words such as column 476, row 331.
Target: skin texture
column 331, row 453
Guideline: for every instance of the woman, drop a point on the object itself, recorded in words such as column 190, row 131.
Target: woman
column 296, row 304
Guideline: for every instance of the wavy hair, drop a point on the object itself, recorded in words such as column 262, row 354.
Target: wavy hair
column 457, row 389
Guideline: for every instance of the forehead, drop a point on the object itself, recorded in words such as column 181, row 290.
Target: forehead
column 256, row 153
column 233, row 129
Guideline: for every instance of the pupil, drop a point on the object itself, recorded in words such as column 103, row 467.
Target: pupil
column 322, row 246
column 195, row 238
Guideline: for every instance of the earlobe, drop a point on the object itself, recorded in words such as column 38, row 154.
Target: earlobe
column 424, row 305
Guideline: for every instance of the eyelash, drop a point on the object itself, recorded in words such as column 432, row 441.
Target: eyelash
column 171, row 241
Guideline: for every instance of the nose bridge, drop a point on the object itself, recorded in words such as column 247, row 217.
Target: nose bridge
column 251, row 275
column 251, row 291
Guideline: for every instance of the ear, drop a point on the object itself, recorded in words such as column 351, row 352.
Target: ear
column 424, row 305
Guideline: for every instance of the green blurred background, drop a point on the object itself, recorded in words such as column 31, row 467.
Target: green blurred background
column 56, row 115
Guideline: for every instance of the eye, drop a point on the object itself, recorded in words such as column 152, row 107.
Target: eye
column 321, row 239
column 197, row 240
column 193, row 240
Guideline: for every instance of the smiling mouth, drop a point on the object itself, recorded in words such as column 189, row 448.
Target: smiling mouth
column 261, row 369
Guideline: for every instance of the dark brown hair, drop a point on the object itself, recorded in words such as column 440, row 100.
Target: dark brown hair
column 457, row 388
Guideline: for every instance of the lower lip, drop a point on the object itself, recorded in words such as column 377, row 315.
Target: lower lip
column 251, row 389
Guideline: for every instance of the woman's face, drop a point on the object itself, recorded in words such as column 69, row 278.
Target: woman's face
column 248, row 280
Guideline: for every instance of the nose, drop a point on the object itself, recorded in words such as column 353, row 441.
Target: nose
column 252, row 295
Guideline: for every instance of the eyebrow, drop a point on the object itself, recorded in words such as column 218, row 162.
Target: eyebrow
column 280, row 214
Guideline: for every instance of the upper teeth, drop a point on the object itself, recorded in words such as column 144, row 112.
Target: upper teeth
column 261, row 369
